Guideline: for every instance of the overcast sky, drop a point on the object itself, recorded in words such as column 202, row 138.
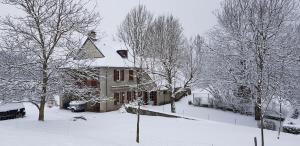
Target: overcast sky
column 196, row 16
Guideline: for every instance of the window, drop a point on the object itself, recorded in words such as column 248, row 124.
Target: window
column 94, row 83
column 116, row 98
column 118, row 75
column 130, row 75
column 153, row 95
column 123, row 53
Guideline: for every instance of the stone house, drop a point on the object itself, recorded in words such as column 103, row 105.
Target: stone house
column 117, row 80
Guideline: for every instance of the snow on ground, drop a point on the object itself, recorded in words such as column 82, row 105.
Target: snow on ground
column 184, row 109
column 118, row 129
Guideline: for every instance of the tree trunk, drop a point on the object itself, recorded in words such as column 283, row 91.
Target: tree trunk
column 173, row 104
column 258, row 108
column 42, row 110
column 138, row 126
column 280, row 122
column 44, row 92
column 262, row 130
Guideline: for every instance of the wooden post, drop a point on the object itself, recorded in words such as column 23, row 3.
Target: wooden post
column 255, row 141
column 138, row 124
column 193, row 98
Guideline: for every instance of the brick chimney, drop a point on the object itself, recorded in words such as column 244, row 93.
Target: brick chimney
column 92, row 35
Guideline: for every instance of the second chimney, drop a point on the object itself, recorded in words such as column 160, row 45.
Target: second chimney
column 92, row 35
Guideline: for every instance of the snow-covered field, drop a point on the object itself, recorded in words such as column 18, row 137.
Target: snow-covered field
column 182, row 108
column 118, row 129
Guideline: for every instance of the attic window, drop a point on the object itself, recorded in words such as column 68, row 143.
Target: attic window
column 123, row 53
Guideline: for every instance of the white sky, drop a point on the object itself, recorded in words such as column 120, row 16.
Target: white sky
column 196, row 16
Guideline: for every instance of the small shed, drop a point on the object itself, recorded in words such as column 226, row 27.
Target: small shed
column 11, row 111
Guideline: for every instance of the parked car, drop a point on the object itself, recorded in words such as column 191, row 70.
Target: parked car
column 77, row 106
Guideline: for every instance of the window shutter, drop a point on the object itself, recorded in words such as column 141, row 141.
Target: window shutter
column 122, row 75
column 116, row 97
column 130, row 75
column 129, row 96
column 94, row 83
column 116, row 75
column 115, row 78
column 122, row 97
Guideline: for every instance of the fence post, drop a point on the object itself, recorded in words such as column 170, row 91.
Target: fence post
column 255, row 141
column 193, row 99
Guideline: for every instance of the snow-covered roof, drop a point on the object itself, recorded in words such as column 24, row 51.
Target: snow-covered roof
column 111, row 57
column 10, row 106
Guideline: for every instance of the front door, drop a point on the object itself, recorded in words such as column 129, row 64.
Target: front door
column 146, row 98
column 153, row 98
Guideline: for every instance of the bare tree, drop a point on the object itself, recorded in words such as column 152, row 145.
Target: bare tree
column 192, row 60
column 46, row 33
column 134, row 33
column 251, row 34
column 167, row 42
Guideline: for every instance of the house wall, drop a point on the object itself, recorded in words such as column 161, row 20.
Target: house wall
column 108, row 86
column 90, row 51
column 163, row 97
column 107, row 106
column 107, row 82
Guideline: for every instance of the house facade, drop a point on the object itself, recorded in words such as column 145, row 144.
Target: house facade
column 116, row 79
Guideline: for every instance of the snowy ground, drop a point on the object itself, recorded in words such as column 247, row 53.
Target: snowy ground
column 182, row 108
column 118, row 129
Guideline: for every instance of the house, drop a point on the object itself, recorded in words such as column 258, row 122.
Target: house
column 115, row 78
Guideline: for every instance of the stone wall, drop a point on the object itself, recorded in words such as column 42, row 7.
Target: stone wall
column 133, row 110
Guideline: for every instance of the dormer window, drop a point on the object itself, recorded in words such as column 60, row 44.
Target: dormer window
column 123, row 53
